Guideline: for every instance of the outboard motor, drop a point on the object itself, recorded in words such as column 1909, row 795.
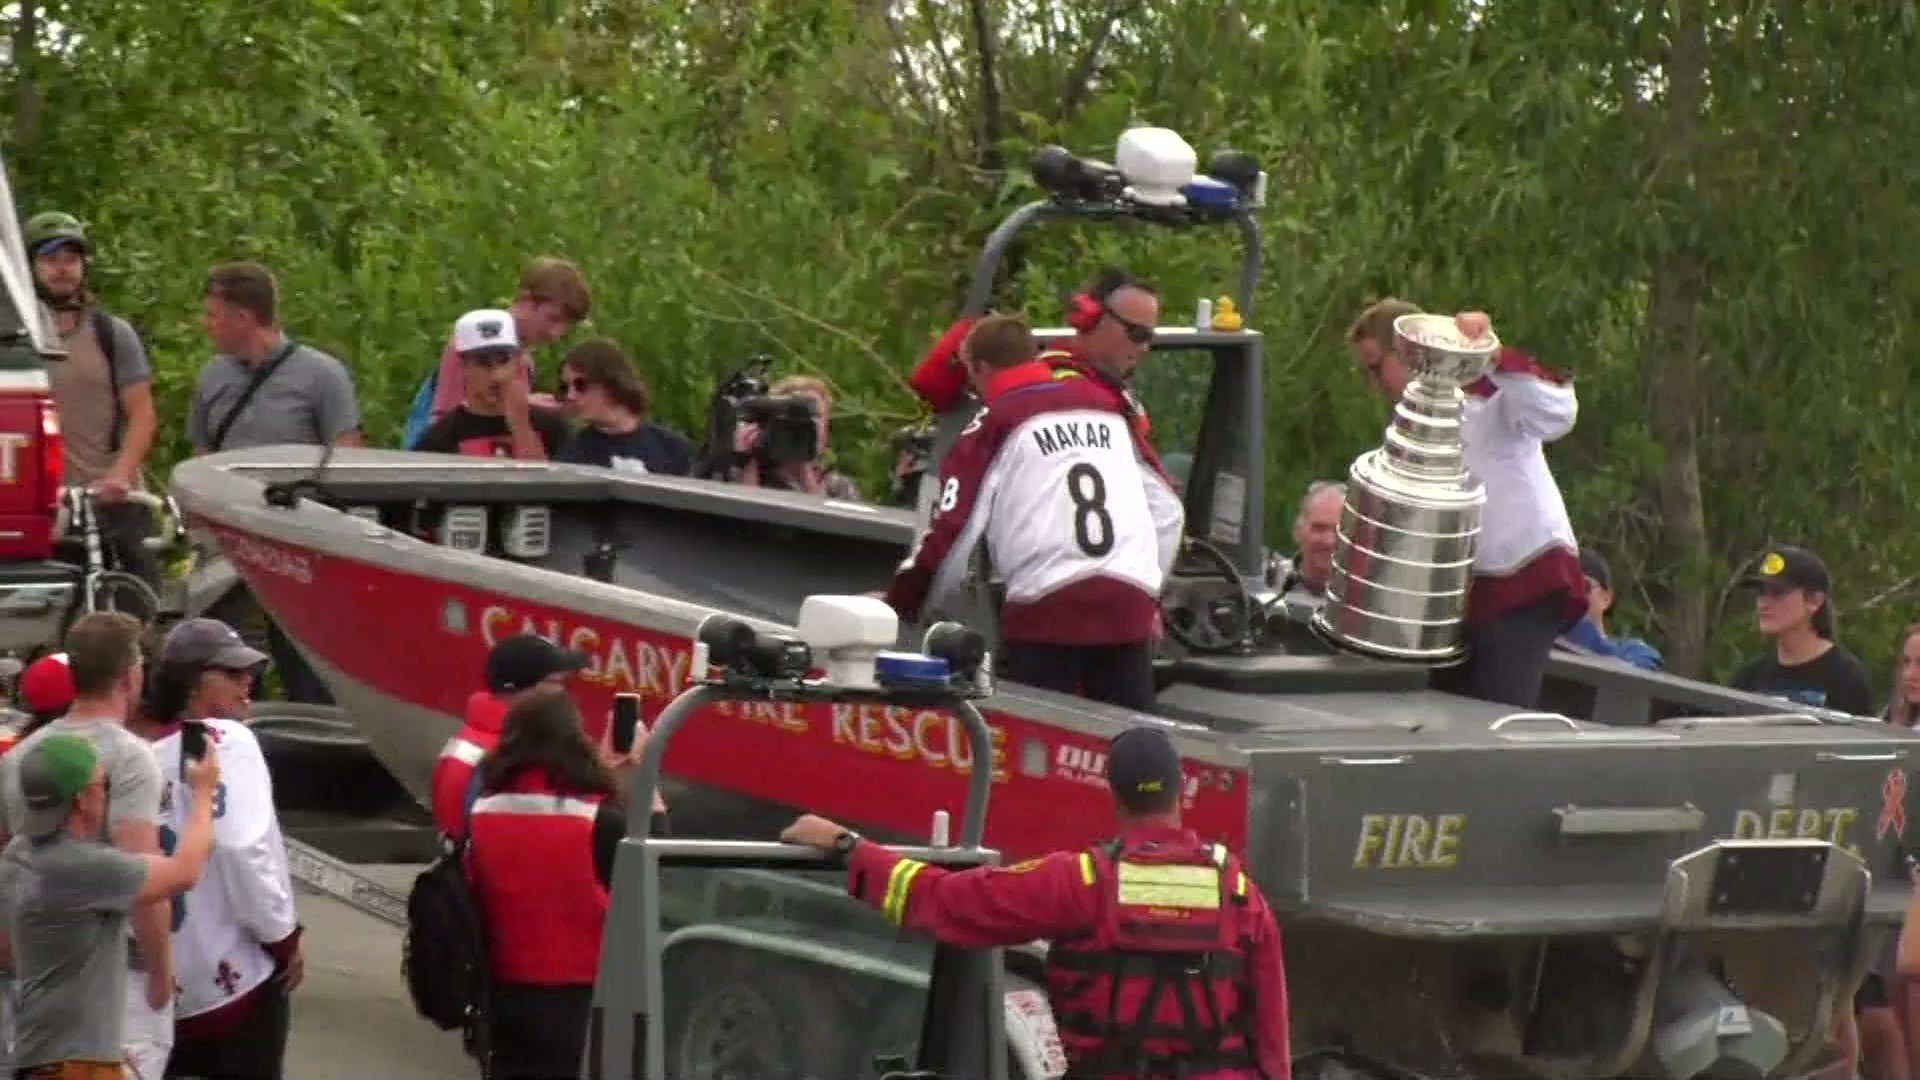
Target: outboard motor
column 1403, row 558
column 1701, row 1031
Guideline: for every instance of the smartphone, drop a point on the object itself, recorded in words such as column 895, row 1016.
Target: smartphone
column 193, row 739
column 626, row 721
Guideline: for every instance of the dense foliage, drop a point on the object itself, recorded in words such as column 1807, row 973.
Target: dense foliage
column 1703, row 208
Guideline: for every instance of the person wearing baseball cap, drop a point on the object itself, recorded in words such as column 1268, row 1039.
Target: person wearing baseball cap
column 1806, row 666
column 66, row 895
column 1589, row 635
column 494, row 418
column 236, row 935
column 206, row 669
column 516, row 666
column 1157, row 887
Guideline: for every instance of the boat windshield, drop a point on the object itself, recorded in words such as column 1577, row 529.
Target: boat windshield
column 781, row 974
column 1173, row 385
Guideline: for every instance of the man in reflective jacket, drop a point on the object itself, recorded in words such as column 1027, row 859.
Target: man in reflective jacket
column 515, row 666
column 1164, row 959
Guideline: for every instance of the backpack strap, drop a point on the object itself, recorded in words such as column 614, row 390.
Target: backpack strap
column 104, row 331
column 466, row 807
column 260, row 375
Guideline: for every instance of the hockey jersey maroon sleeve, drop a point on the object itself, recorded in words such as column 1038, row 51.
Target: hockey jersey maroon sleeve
column 960, row 509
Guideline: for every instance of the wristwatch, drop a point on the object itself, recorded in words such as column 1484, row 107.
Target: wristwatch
column 843, row 844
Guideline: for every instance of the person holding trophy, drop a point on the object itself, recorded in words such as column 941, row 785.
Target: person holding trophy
column 1526, row 585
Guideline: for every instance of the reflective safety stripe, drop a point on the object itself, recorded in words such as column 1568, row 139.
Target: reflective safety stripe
column 1086, row 868
column 461, row 750
column 536, row 804
column 1194, row 887
column 1239, row 884
column 899, row 886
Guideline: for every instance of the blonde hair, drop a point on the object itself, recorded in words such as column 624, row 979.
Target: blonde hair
column 803, row 384
column 1376, row 322
column 1899, row 709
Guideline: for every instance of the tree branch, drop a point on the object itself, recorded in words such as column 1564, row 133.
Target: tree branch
column 1073, row 92
column 993, row 123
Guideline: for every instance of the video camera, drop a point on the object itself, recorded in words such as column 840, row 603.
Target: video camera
column 789, row 423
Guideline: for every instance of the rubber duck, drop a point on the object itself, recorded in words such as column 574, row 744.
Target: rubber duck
column 1225, row 315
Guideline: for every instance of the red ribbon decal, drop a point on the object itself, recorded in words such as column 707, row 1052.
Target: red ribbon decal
column 1893, row 808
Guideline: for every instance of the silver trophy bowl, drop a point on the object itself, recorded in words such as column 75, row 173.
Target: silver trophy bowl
column 1403, row 559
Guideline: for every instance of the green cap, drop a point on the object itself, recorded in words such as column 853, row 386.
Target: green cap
column 51, row 228
column 52, row 775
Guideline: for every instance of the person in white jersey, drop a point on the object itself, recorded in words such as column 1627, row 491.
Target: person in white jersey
column 236, row 937
column 1528, row 587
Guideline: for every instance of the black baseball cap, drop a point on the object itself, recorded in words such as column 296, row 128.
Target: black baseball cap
column 1594, row 565
column 1791, row 567
column 1143, row 769
column 523, row 660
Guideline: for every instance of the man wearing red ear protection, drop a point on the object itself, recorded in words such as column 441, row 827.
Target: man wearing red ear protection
column 1113, row 322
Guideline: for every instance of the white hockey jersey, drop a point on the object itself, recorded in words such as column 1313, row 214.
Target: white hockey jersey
column 244, row 899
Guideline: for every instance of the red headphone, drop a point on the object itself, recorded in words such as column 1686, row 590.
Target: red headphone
column 1084, row 312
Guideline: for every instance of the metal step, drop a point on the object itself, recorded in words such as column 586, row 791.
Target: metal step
column 329, row 876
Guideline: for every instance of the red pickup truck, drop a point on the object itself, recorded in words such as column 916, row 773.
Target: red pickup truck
column 36, row 589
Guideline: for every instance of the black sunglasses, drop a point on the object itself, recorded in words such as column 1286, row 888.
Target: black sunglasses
column 1138, row 333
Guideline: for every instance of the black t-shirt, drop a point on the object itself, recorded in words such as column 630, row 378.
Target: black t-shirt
column 1833, row 680
column 473, row 435
column 647, row 448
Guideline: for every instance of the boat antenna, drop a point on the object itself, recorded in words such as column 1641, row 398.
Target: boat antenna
column 286, row 494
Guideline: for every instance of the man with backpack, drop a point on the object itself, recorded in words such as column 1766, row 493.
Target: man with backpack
column 552, row 299
column 102, row 388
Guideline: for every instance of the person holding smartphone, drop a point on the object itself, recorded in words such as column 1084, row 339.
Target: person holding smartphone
column 545, row 827
column 236, row 935
column 65, row 899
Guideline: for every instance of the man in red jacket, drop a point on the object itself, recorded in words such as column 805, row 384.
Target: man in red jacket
column 515, row 666
column 1120, row 919
column 1079, row 522
column 1528, row 587
column 1113, row 323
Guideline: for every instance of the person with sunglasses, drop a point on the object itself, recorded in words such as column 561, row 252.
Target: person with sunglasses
column 236, row 935
column 600, row 389
column 495, row 419
column 1794, row 607
column 1527, row 587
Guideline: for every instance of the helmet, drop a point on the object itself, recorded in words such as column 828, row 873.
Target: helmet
column 52, row 227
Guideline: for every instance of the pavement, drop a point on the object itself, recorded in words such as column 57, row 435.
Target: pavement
column 352, row 1018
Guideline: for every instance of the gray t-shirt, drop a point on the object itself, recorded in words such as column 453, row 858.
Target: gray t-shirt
column 133, row 781
column 308, row 399
column 65, row 903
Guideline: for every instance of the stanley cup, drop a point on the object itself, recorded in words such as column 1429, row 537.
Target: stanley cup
column 1403, row 560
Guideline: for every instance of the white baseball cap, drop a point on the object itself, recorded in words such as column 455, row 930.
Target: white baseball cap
column 484, row 329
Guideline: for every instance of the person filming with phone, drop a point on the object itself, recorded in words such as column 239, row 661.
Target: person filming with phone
column 547, row 820
column 236, row 935
column 65, row 898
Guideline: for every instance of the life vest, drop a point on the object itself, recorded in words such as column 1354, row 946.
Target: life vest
column 531, row 862
column 1159, row 987
column 486, row 714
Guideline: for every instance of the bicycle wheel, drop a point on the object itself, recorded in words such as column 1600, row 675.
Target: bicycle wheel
column 126, row 593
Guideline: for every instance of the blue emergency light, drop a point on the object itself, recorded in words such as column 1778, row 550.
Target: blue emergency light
column 910, row 669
